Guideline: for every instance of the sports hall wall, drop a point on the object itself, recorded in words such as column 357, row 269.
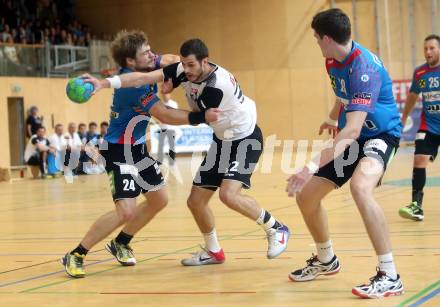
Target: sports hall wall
column 49, row 95
column 268, row 45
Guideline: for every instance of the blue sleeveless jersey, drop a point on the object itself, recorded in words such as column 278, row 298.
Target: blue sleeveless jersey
column 127, row 104
column 362, row 83
column 426, row 80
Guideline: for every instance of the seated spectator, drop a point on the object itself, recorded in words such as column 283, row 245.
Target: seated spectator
column 59, row 143
column 92, row 134
column 33, row 122
column 82, row 133
column 73, row 151
column 36, row 152
column 104, row 128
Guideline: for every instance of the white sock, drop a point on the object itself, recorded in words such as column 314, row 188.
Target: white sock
column 211, row 242
column 386, row 264
column 269, row 224
column 325, row 251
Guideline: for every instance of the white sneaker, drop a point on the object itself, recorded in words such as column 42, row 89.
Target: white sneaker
column 204, row 257
column 277, row 241
column 315, row 268
column 380, row 286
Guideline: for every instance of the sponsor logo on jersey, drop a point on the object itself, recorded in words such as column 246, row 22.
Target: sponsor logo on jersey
column 420, row 72
column 145, row 99
column 422, row 83
column 361, row 99
column 433, row 109
column 333, row 81
column 114, row 114
column 431, row 96
column 365, row 78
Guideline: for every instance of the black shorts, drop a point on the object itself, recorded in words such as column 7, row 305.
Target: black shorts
column 230, row 160
column 128, row 176
column 427, row 143
column 381, row 147
column 34, row 160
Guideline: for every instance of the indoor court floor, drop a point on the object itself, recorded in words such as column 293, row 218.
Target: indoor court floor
column 43, row 219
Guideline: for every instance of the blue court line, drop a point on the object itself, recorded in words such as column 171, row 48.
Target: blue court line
column 45, row 275
column 426, row 298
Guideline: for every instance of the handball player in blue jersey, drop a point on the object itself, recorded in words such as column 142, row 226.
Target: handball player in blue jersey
column 130, row 169
column 426, row 80
column 368, row 127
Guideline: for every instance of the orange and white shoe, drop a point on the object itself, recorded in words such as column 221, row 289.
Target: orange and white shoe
column 380, row 286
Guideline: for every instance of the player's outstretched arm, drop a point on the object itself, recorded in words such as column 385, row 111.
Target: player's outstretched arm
column 168, row 59
column 181, row 117
column 134, row 79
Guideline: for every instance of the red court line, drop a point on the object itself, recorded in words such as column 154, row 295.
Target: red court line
column 182, row 293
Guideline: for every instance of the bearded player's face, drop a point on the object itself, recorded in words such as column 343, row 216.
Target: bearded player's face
column 144, row 58
column 193, row 68
column 431, row 51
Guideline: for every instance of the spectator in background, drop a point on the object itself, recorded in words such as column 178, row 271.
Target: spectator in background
column 33, row 122
column 92, row 134
column 36, row 152
column 59, row 143
column 104, row 128
column 73, row 152
column 82, row 133
column 58, row 140
column 6, row 35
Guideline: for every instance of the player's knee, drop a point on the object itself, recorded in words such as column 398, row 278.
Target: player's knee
column 126, row 215
column 302, row 198
column 360, row 190
column 192, row 203
column 420, row 161
column 228, row 197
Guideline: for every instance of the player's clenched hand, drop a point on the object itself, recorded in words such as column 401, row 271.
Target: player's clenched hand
column 332, row 129
column 167, row 87
column 296, row 182
column 212, row 115
column 97, row 84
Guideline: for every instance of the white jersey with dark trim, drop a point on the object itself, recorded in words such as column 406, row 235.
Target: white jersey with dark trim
column 219, row 90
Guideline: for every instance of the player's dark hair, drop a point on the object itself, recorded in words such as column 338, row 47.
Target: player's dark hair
column 104, row 124
column 194, row 46
column 126, row 44
column 81, row 125
column 334, row 23
column 41, row 127
column 92, row 124
column 433, row 36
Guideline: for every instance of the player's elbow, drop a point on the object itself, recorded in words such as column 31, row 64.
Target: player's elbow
column 354, row 132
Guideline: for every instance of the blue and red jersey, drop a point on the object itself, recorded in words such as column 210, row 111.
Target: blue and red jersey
column 426, row 80
column 362, row 83
column 127, row 104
